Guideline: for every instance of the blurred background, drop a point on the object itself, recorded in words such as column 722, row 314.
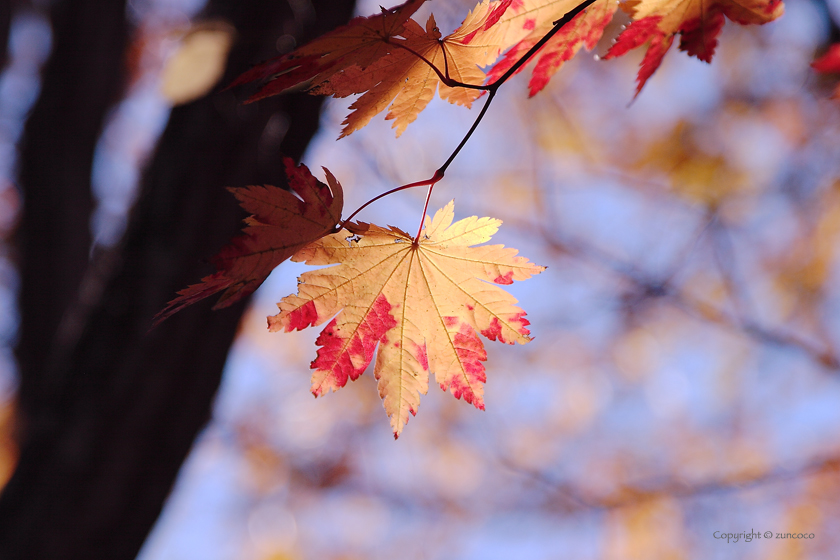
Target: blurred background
column 684, row 377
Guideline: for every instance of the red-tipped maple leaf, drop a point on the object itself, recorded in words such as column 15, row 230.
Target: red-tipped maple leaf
column 829, row 63
column 280, row 224
column 525, row 23
column 698, row 22
column 423, row 304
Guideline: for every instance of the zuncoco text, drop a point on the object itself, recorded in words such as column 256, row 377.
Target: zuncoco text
column 747, row 537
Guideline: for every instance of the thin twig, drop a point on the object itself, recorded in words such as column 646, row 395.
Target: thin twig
column 491, row 88
column 443, row 168
column 558, row 25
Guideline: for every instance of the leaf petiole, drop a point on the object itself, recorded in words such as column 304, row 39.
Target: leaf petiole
column 435, row 178
column 443, row 77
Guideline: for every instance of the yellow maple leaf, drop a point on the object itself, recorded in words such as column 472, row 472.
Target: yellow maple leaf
column 408, row 82
column 421, row 303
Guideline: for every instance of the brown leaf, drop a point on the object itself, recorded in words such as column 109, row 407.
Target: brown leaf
column 279, row 226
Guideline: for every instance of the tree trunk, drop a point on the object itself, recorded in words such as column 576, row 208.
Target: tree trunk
column 109, row 411
column 5, row 24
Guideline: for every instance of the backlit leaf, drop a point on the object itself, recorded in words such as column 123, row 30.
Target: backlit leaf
column 421, row 304
column 525, row 23
column 382, row 57
column 829, row 63
column 698, row 22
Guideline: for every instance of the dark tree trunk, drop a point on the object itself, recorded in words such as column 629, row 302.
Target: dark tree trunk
column 5, row 23
column 80, row 81
column 108, row 412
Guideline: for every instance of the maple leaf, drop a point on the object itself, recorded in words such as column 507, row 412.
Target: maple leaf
column 829, row 63
column 279, row 226
column 361, row 42
column 387, row 57
column 421, row 303
column 698, row 22
column 410, row 81
column 526, row 23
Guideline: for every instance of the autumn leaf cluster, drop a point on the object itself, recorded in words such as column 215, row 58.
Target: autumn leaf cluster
column 418, row 303
column 392, row 60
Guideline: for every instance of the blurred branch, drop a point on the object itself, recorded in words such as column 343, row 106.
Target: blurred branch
column 567, row 498
column 725, row 261
column 337, row 469
column 646, row 287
